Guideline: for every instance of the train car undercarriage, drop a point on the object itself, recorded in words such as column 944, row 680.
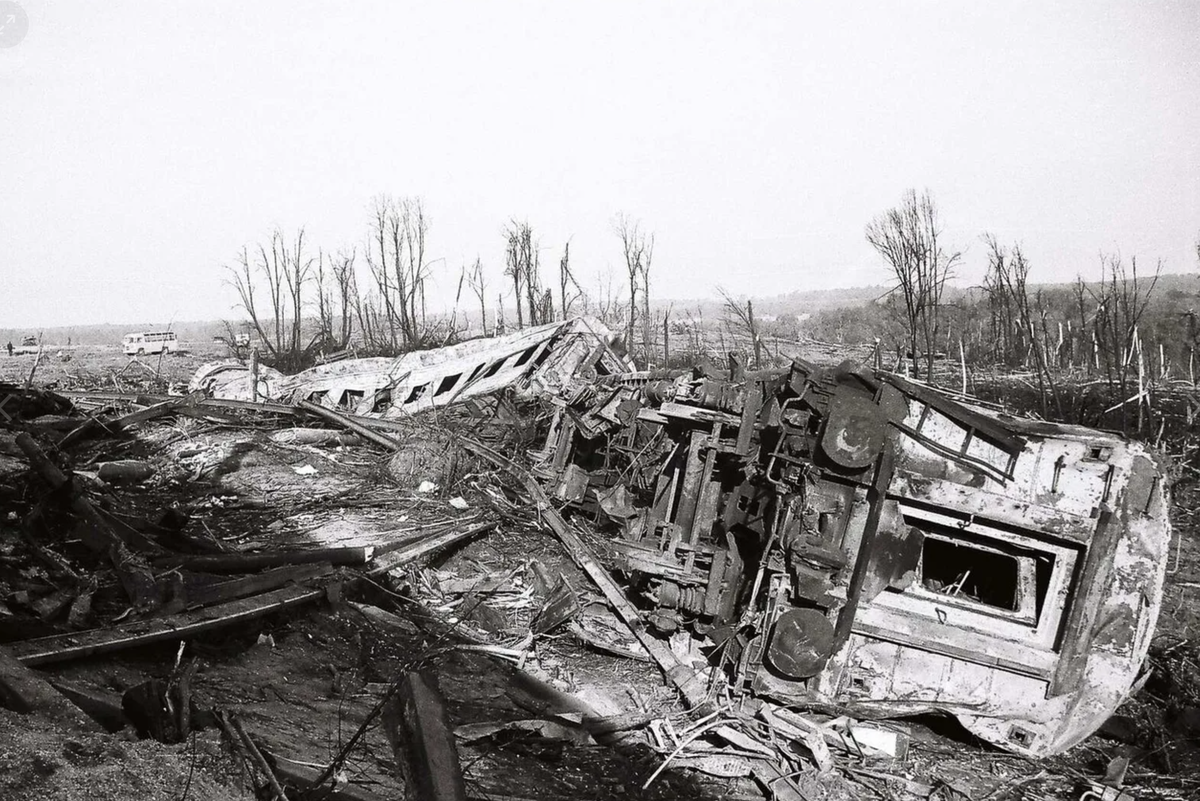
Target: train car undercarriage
column 851, row 540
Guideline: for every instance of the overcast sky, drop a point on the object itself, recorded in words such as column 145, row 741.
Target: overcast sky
column 143, row 144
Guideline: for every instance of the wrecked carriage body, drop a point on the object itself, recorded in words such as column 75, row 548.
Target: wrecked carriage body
column 533, row 361
column 855, row 541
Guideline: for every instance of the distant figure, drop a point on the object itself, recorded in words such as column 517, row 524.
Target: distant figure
column 10, row 349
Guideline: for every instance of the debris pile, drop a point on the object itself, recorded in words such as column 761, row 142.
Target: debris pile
column 753, row 581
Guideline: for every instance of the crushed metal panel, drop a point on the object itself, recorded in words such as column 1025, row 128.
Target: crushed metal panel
column 231, row 380
column 532, row 361
column 857, row 540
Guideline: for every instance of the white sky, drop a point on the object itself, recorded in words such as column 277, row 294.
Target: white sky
column 142, row 144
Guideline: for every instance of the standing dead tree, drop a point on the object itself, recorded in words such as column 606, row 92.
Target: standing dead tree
column 521, row 264
column 296, row 273
column 346, row 283
column 1121, row 299
column 638, row 249
column 606, row 303
column 395, row 318
column 1020, row 334
column 285, row 271
column 908, row 237
column 337, row 294
column 478, row 285
column 378, row 265
column 566, row 280
column 739, row 318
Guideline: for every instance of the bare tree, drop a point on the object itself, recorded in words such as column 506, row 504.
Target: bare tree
column 741, row 316
column 324, row 302
column 909, row 239
column 297, row 271
column 478, row 285
column 521, row 264
column 606, row 304
column 378, row 265
column 638, row 250
column 1019, row 324
column 566, row 280
column 415, row 225
column 396, row 257
column 242, row 279
column 286, row 272
column 345, row 282
column 1121, row 300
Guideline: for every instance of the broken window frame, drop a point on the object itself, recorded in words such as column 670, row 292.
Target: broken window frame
column 959, row 613
column 1025, row 600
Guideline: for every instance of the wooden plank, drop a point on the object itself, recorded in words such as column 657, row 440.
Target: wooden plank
column 409, row 551
column 135, row 574
column 159, row 409
column 222, row 591
column 103, row 707
column 353, row 425
column 65, row 647
column 247, row 562
column 423, row 742
column 23, row 690
column 301, row 777
column 681, row 676
column 375, row 423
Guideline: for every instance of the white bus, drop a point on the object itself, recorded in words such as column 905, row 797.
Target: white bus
column 150, row 342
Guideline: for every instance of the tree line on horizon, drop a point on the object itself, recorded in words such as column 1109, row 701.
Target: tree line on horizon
column 299, row 303
column 377, row 297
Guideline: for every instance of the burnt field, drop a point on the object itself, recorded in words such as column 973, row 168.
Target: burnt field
column 236, row 601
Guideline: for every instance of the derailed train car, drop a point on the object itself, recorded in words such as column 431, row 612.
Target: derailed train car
column 851, row 540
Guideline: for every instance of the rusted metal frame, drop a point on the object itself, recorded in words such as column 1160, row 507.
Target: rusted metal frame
column 693, row 468
column 689, row 685
column 679, row 674
column 423, row 744
column 753, row 404
column 709, row 496
column 668, row 482
column 876, row 497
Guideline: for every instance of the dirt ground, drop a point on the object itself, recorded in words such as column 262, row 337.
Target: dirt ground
column 305, row 681
column 106, row 367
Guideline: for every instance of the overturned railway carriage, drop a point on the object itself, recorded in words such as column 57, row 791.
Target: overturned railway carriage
column 532, row 361
column 850, row 539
